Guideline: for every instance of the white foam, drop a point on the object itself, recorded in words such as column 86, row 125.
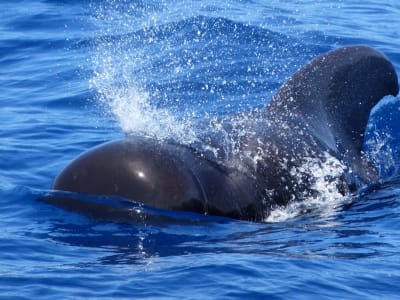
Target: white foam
column 327, row 197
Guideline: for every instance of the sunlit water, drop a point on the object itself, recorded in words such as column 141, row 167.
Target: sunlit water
column 79, row 73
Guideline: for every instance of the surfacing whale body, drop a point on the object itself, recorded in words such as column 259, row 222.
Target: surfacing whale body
column 319, row 115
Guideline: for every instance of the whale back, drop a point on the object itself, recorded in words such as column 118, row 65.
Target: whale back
column 317, row 120
column 331, row 99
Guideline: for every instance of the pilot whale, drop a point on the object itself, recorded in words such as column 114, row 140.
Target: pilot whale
column 319, row 114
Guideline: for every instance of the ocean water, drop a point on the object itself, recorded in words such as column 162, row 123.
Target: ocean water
column 74, row 74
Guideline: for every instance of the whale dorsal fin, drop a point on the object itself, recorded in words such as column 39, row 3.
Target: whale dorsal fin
column 333, row 95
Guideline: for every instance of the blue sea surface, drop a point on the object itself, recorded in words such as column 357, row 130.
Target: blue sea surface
column 74, row 74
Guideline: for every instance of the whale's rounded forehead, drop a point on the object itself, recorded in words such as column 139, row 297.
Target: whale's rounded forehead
column 141, row 169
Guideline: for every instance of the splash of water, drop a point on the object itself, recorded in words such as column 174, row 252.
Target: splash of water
column 326, row 196
column 119, row 77
column 135, row 114
column 156, row 72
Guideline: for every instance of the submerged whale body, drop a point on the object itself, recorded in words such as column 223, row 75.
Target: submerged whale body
column 318, row 115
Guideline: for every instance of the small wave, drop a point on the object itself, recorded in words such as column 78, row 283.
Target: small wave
column 119, row 210
column 382, row 137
